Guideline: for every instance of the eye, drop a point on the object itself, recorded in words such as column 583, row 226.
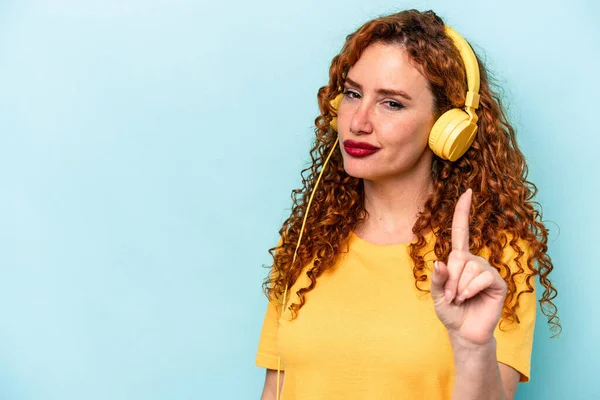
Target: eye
column 351, row 94
column 394, row 105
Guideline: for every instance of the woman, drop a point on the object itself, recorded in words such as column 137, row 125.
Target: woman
column 411, row 275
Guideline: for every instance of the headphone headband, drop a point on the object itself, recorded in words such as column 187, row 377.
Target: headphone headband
column 471, row 66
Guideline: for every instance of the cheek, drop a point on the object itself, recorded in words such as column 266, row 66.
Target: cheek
column 411, row 131
column 343, row 122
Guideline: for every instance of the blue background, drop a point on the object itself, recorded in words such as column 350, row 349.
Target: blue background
column 148, row 150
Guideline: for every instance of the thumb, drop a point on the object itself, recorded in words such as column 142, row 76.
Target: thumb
column 438, row 281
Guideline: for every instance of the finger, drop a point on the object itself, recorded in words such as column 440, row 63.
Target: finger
column 481, row 282
column 471, row 270
column 440, row 276
column 456, row 264
column 460, row 222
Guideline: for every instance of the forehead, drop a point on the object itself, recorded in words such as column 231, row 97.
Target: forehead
column 388, row 66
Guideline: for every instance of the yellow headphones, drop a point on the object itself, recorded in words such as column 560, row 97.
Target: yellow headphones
column 453, row 132
column 450, row 138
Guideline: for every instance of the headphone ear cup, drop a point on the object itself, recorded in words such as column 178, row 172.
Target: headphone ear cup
column 452, row 134
column 335, row 105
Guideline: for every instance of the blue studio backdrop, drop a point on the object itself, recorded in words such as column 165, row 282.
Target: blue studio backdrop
column 148, row 150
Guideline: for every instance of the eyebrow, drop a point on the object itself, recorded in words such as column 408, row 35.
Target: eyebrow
column 385, row 92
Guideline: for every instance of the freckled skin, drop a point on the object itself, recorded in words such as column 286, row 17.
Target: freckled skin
column 400, row 127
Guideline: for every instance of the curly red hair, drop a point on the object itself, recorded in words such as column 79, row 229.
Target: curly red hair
column 504, row 212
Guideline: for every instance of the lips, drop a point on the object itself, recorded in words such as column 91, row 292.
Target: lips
column 359, row 149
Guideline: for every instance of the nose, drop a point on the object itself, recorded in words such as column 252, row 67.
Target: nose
column 361, row 119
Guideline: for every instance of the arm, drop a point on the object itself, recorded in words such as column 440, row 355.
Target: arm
column 270, row 388
column 478, row 375
column 510, row 380
column 468, row 296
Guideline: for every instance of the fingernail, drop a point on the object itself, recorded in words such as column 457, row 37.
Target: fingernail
column 435, row 266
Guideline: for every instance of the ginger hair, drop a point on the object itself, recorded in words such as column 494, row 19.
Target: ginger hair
column 503, row 211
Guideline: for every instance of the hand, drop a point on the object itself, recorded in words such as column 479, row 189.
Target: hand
column 468, row 293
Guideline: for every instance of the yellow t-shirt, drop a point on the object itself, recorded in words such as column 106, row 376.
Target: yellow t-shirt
column 366, row 332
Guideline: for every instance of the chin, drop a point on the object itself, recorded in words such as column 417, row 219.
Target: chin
column 373, row 171
column 359, row 171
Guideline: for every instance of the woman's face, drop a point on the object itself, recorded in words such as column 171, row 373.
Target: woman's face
column 387, row 105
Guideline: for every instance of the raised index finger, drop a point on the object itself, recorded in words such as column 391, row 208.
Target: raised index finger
column 460, row 222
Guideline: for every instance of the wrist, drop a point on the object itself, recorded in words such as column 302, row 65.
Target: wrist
column 468, row 351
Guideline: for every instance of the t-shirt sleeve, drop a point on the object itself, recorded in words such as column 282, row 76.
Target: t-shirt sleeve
column 267, row 355
column 515, row 340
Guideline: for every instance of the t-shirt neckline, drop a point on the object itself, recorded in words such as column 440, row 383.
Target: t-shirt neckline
column 365, row 243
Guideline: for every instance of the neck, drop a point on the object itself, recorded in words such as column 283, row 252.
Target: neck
column 393, row 204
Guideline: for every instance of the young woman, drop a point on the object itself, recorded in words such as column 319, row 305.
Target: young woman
column 412, row 273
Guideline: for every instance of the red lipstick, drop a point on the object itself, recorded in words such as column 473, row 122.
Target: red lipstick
column 359, row 149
